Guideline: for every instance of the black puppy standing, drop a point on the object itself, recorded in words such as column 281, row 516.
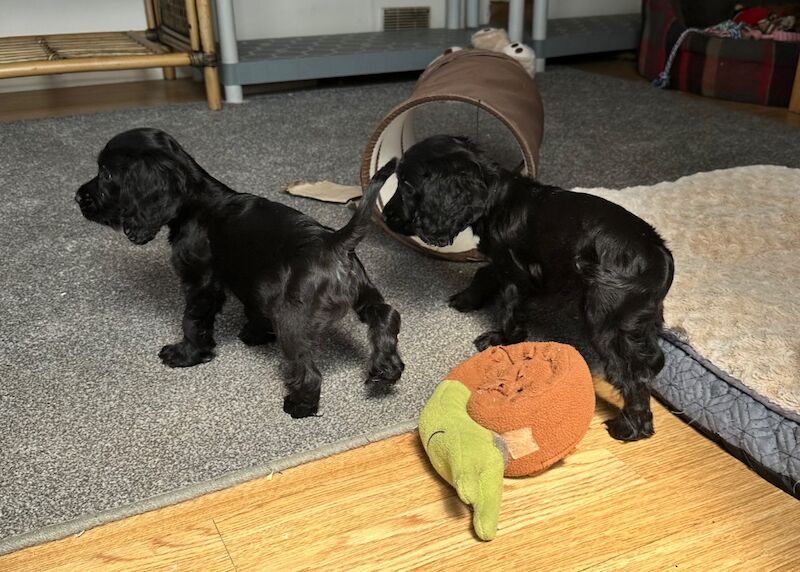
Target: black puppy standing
column 294, row 276
column 539, row 240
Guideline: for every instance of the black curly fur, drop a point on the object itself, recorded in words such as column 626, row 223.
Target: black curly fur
column 542, row 240
column 294, row 276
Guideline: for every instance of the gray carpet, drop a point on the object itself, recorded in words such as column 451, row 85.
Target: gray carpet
column 93, row 427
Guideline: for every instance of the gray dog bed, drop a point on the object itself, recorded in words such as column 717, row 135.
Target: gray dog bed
column 761, row 435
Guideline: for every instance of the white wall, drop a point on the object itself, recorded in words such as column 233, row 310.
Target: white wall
column 580, row 8
column 254, row 19
column 281, row 18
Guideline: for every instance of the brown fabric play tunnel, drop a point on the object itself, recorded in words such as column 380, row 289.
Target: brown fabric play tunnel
column 491, row 81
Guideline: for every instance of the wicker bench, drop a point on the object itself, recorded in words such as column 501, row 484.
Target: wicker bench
column 180, row 33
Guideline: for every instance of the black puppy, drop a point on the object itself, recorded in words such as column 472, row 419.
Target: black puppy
column 542, row 240
column 294, row 276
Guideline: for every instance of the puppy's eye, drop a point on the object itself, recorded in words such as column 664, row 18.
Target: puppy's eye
column 105, row 174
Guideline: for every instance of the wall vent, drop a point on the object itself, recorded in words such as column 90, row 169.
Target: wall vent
column 406, row 18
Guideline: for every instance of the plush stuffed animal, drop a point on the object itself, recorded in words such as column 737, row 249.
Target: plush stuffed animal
column 493, row 39
column 469, row 457
column 510, row 410
column 497, row 40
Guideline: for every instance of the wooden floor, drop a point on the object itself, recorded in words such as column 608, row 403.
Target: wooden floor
column 675, row 501
column 626, row 69
column 93, row 98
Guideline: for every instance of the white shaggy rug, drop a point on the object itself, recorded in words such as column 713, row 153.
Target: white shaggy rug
column 735, row 236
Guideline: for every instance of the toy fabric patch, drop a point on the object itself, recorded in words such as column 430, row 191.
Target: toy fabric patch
column 520, row 442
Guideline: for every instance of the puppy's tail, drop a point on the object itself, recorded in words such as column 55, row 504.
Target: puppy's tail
column 348, row 237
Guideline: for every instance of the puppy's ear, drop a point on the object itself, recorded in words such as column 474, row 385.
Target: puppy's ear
column 175, row 153
column 472, row 175
column 151, row 191
column 452, row 200
column 474, row 193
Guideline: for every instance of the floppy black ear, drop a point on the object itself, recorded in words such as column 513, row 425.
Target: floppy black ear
column 151, row 190
column 469, row 191
column 173, row 151
column 449, row 202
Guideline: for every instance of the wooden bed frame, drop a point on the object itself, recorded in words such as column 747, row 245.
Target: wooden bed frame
column 794, row 103
column 179, row 33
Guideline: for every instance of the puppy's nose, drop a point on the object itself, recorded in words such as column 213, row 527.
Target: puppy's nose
column 84, row 199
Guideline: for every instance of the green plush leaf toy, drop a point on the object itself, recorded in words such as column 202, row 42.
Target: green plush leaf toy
column 466, row 455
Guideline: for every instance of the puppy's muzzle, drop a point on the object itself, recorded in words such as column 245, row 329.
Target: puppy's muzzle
column 86, row 202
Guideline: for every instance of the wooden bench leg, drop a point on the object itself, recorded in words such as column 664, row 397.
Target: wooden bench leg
column 210, row 74
column 213, row 92
column 794, row 102
column 152, row 24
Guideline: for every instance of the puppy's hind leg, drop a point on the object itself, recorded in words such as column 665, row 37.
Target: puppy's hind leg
column 624, row 334
column 203, row 302
column 297, row 337
column 257, row 330
column 383, row 321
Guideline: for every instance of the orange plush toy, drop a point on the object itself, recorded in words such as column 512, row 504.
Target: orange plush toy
column 537, row 396
column 510, row 410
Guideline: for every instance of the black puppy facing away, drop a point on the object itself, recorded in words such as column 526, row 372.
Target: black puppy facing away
column 294, row 276
column 543, row 240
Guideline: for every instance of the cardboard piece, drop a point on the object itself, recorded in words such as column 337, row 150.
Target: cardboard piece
column 325, row 191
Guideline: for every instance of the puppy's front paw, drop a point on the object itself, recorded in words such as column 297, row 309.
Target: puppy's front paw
column 627, row 427
column 465, row 301
column 386, row 370
column 184, row 354
column 298, row 409
column 489, row 339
